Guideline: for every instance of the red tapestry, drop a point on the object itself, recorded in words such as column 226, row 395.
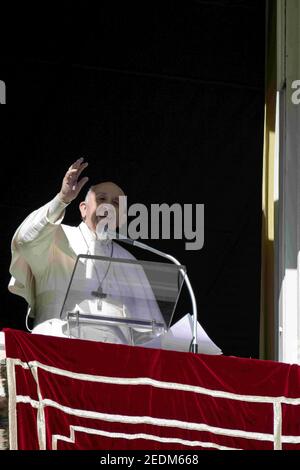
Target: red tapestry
column 75, row 394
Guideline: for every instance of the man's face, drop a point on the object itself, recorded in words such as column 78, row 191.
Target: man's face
column 102, row 203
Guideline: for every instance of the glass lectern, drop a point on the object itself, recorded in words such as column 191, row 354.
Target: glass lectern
column 121, row 300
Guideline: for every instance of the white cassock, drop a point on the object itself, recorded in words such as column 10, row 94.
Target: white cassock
column 44, row 252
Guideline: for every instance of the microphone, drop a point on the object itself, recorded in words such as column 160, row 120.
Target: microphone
column 143, row 246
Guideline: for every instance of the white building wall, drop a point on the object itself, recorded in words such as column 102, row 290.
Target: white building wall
column 288, row 230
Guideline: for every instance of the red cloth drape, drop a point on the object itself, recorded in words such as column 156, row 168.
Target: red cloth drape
column 75, row 394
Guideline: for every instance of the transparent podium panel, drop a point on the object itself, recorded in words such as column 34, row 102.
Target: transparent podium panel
column 119, row 300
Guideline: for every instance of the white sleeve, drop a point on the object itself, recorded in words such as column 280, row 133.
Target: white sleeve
column 34, row 238
column 41, row 223
column 30, row 248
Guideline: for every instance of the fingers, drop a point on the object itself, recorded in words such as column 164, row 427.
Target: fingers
column 81, row 168
column 76, row 164
column 81, row 183
column 75, row 170
column 70, row 185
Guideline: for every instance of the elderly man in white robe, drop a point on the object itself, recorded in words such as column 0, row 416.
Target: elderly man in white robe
column 44, row 252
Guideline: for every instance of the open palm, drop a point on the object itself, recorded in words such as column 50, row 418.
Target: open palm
column 71, row 186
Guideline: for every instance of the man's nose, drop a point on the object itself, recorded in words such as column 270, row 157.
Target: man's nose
column 103, row 210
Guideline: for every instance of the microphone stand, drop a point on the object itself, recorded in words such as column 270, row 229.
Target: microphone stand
column 122, row 238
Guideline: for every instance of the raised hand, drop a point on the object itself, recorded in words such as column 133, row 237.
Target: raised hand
column 71, row 187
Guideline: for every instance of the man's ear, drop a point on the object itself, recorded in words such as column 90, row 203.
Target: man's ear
column 82, row 208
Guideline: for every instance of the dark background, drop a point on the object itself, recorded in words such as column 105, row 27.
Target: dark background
column 165, row 98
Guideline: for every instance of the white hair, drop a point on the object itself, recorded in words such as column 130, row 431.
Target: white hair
column 91, row 190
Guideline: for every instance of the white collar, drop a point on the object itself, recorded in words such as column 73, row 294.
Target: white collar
column 81, row 236
column 91, row 236
column 88, row 234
